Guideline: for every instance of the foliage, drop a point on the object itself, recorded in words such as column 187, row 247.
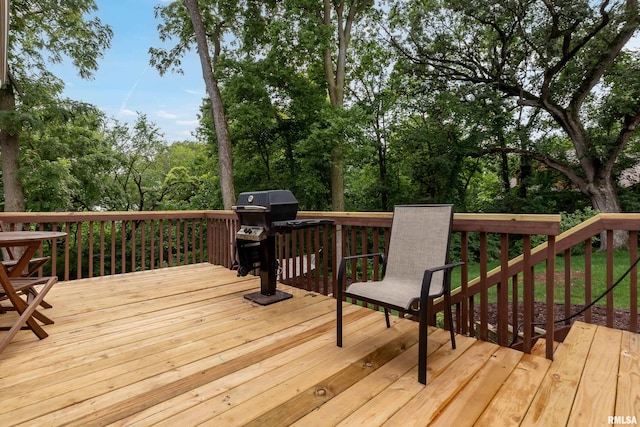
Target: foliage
column 151, row 175
column 571, row 219
column 50, row 31
column 64, row 157
column 564, row 63
column 42, row 33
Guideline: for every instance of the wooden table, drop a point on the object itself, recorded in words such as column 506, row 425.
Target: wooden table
column 31, row 241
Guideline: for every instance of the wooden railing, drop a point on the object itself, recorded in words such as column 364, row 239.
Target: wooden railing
column 575, row 282
column 99, row 244
column 309, row 259
column 494, row 292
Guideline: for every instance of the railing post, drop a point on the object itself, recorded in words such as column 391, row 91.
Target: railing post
column 464, row 279
column 528, row 294
column 503, row 292
column 550, row 286
column 209, row 239
column 610, row 304
column 338, row 253
column 633, row 282
column 484, row 291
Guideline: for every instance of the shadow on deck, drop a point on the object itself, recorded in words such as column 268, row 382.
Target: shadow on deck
column 181, row 346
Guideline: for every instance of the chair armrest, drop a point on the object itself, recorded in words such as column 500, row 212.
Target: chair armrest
column 343, row 265
column 380, row 254
column 450, row 266
column 428, row 273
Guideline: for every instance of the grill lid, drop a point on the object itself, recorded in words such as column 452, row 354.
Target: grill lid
column 262, row 208
column 271, row 199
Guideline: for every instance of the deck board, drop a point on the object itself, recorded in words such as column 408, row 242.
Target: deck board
column 511, row 402
column 554, row 399
column 629, row 376
column 596, row 393
column 472, row 400
column 181, row 346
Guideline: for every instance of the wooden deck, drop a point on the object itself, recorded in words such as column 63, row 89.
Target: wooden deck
column 181, row 346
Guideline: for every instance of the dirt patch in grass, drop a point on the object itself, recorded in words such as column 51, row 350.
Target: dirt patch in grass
column 558, row 276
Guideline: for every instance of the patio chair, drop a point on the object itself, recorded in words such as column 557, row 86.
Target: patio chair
column 417, row 268
column 11, row 259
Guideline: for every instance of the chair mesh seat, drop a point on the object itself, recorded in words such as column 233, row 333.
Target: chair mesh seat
column 399, row 293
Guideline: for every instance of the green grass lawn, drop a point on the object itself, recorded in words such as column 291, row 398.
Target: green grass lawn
column 621, row 294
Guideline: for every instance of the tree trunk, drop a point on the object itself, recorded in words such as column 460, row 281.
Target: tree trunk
column 604, row 198
column 525, row 176
column 335, row 75
column 336, row 96
column 384, row 177
column 10, row 150
column 225, row 157
column 337, row 179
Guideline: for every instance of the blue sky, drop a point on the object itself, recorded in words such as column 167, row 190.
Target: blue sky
column 126, row 84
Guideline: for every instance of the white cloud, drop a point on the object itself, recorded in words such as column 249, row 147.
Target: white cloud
column 166, row 115
column 194, row 92
column 187, row 122
column 128, row 113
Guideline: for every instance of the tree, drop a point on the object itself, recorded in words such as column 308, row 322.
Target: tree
column 138, row 175
column 188, row 181
column 66, row 160
column 205, row 26
column 278, row 117
column 341, row 16
column 45, row 27
column 326, row 27
column 562, row 58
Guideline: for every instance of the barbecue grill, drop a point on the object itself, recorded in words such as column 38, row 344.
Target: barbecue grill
column 263, row 215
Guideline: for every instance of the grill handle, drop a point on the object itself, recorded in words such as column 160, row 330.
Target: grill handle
column 249, row 207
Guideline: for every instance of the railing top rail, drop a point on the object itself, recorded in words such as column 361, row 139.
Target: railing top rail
column 508, row 223
column 96, row 216
column 472, row 222
column 371, row 219
column 620, row 221
column 484, row 222
column 220, row 214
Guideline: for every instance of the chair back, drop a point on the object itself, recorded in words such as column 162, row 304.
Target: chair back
column 420, row 236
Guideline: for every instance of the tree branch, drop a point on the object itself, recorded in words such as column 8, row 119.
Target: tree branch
column 563, row 168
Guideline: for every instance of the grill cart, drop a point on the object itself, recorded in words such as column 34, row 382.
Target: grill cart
column 263, row 215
